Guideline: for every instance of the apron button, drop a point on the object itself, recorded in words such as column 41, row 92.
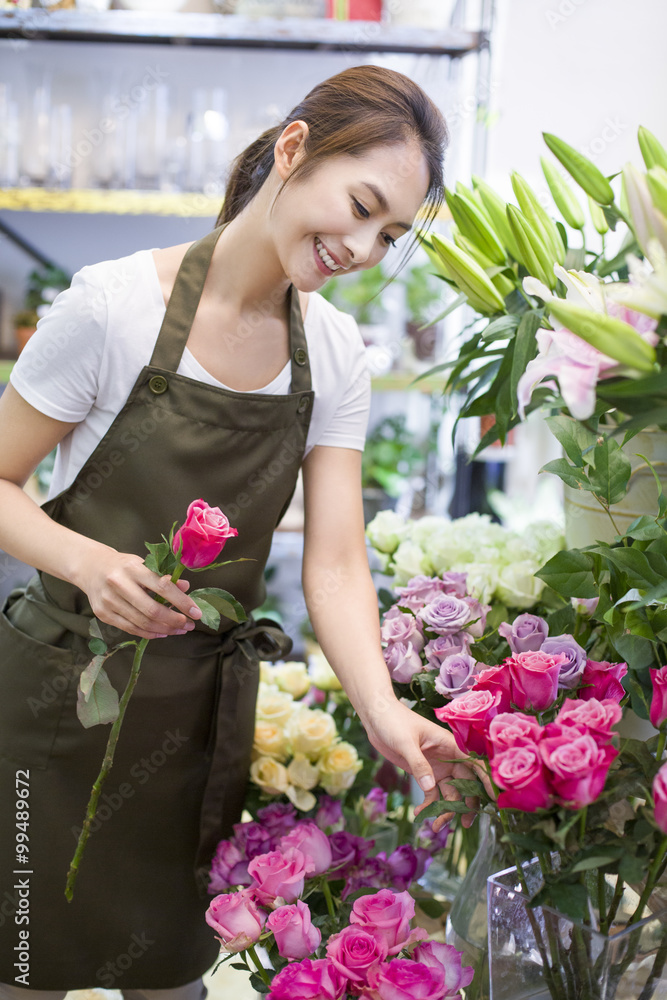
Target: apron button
column 300, row 356
column 304, row 403
column 158, row 384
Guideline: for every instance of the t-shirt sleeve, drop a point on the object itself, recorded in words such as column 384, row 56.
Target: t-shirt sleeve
column 346, row 426
column 58, row 369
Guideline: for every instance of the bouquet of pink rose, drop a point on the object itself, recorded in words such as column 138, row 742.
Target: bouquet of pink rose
column 303, row 895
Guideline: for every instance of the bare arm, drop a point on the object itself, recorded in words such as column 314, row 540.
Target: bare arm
column 117, row 584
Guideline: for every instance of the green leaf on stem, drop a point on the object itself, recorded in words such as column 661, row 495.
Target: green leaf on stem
column 217, row 565
column 222, row 601
column 94, row 629
column 210, row 616
column 632, row 869
column 97, row 646
column 572, row 476
column 525, row 349
column 467, row 786
column 160, row 558
column 431, row 907
column 570, row 898
column 595, row 861
column 575, row 438
column 662, row 500
column 97, row 699
column 569, row 573
column 609, row 479
column 258, row 984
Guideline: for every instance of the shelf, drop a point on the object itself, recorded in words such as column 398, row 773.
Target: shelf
column 85, row 201
column 235, row 31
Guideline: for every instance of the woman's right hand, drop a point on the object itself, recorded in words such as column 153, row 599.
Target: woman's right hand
column 120, row 587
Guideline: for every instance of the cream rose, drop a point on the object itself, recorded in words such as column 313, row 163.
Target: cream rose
column 302, row 773
column 338, row 767
column 311, row 731
column 274, row 705
column 300, row 798
column 292, row 677
column 270, row 775
column 270, row 740
column 322, row 675
column 265, row 672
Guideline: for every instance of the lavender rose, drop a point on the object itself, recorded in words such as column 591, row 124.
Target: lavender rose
column 436, row 650
column 446, row 615
column 457, row 675
column 478, row 613
column 525, row 634
column 572, row 668
column 403, row 661
column 401, row 627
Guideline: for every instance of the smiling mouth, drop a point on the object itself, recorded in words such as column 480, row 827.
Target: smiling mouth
column 326, row 257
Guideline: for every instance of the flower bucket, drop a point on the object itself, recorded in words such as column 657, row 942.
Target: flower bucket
column 542, row 954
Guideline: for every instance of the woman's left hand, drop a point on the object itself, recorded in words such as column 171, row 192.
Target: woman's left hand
column 428, row 751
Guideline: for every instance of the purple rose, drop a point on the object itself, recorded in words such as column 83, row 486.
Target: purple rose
column 228, row 868
column 478, row 613
column 329, row 815
column 446, row 615
column 373, row 873
column 572, row 668
column 347, row 852
column 430, row 841
column 445, row 645
column 403, row 661
column 457, row 675
column 419, row 590
column 374, row 806
column 252, row 839
column 454, row 583
column 406, row 864
column 277, row 819
column 401, row 627
column 525, row 634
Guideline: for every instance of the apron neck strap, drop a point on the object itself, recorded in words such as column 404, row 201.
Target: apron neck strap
column 183, row 304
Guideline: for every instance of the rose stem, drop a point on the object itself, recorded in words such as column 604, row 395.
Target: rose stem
column 258, row 965
column 327, row 895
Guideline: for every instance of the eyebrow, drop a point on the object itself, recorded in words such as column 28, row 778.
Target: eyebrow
column 384, row 204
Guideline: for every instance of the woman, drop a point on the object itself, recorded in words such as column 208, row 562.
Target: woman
column 176, row 374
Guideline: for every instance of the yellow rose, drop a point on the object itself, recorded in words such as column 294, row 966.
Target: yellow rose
column 334, row 784
column 269, row 775
column 270, row 740
column 265, row 672
column 300, row 798
column 292, row 677
column 338, row 768
column 322, row 675
column 274, row 705
column 311, row 731
column 302, row 773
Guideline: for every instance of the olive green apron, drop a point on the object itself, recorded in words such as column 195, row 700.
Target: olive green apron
column 179, row 776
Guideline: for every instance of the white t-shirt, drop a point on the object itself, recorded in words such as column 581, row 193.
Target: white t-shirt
column 84, row 359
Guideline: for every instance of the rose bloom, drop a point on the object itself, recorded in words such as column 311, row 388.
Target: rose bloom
column 512, row 729
column 292, row 677
column 386, row 531
column 578, row 767
column 525, row 634
column 293, row 930
column 436, row 650
column 596, row 717
column 404, row 979
column 321, row 673
column 478, row 613
column 494, row 679
column 329, row 815
column 202, row 535
column 274, row 706
column 447, row 957
column 660, row 798
column 270, row 740
column 601, row 680
column 658, row 712
column 374, row 806
column 311, row 979
column 398, row 626
column 468, row 717
column 277, row 818
column 348, row 851
column 388, row 915
column 312, row 842
column 520, row 772
column 280, row 874
column 270, row 775
column 354, row 949
column 404, row 866
column 456, row 675
column 301, row 773
column 310, row 731
column 420, row 590
column 534, row 678
column 403, row 661
column 228, row 868
column 237, row 919
column 572, row 666
column 446, row 615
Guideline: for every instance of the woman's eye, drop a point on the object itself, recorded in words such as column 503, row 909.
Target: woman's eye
column 388, row 240
column 363, row 212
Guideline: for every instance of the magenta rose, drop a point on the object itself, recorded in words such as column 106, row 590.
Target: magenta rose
column 403, row 661
column 512, row 729
column 468, row 717
column 292, row 928
column 311, row 979
column 525, row 634
column 658, row 712
column 203, row 535
column 446, row 614
column 520, row 772
column 436, row 650
column 398, row 626
column 593, row 716
column 404, row 979
column 312, row 842
column 280, row 874
column 436, row 954
column 388, row 914
column 573, row 662
column 601, row 680
column 496, row 679
column 278, row 818
column 660, row 798
column 578, row 767
column 457, row 674
column 534, row 678
column 354, row 949
column 237, row 919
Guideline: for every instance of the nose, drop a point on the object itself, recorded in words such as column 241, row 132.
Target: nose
column 360, row 246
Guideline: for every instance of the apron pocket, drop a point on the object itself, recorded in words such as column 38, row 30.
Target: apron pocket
column 34, row 678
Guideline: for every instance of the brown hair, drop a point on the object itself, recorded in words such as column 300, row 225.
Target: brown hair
column 348, row 114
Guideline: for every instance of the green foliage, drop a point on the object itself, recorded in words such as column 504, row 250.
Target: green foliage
column 390, row 456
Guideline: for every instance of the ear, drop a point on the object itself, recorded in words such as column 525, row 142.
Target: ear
column 289, row 148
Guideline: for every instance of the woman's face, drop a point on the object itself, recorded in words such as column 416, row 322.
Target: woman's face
column 349, row 213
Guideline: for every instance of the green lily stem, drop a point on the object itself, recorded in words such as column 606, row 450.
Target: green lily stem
column 661, row 743
column 650, row 881
column 104, row 771
column 258, row 965
column 329, row 899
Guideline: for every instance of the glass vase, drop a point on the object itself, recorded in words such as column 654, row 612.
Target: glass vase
column 539, row 953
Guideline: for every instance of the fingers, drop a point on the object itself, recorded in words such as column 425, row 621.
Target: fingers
column 169, row 592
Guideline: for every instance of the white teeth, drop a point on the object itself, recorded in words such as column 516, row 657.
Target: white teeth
column 326, row 257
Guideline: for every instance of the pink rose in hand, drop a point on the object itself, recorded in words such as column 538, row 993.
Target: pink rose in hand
column 496, row 679
column 403, row 661
column 388, row 915
column 280, row 874
column 435, row 954
column 237, row 919
column 204, row 533
column 512, row 729
column 468, row 717
column 311, row 841
column 293, row 930
column 398, row 626
column 601, row 680
column 660, row 798
column 311, row 979
column 578, row 767
column 534, row 679
column 658, row 712
column 354, row 950
column 520, row 772
column 595, row 717
column 525, row 634
column 404, row 979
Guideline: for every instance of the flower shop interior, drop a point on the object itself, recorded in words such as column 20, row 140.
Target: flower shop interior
column 513, row 474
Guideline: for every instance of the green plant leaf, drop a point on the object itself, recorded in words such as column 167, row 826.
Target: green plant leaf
column 94, row 629
column 633, row 562
column 662, row 500
column 223, row 602
column 210, row 616
column 645, row 528
column 570, row 898
column 97, row 646
column 632, row 869
column 431, row 907
column 160, row 558
column 466, row 786
column 569, row 573
column 570, row 474
column 97, row 699
column 596, row 861
column 609, row 479
column 525, row 349
column 573, row 436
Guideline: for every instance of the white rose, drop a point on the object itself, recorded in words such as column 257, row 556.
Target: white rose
column 425, row 528
column 518, row 587
column 292, row 677
column 302, row 773
column 481, row 581
column 274, row 705
column 300, row 798
column 545, row 539
column 335, row 784
column 270, row 740
column 311, row 731
column 338, row 767
column 266, row 673
column 321, row 673
column 410, row 560
column 386, row 531
column 270, row 775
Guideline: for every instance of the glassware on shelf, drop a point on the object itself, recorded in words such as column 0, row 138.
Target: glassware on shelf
column 10, row 137
column 61, row 153
column 151, row 116
column 36, row 159
column 280, row 8
column 207, row 132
